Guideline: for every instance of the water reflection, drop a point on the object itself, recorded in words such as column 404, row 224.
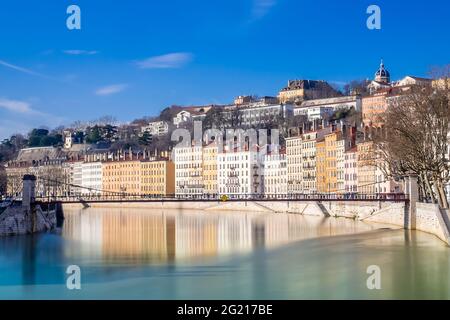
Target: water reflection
column 154, row 236
column 141, row 254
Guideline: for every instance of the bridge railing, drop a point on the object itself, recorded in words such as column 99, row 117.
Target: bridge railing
column 392, row 197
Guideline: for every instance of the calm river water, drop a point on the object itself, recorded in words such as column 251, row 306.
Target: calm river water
column 145, row 254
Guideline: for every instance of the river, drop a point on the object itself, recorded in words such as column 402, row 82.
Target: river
column 155, row 254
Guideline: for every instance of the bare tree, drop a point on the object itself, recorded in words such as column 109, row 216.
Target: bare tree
column 415, row 139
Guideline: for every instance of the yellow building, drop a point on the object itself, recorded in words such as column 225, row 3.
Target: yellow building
column 299, row 90
column 121, row 177
column 331, row 160
column 210, row 169
column 443, row 83
column 157, row 178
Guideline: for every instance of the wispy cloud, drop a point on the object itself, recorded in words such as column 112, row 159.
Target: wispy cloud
column 21, row 69
column 112, row 89
column 262, row 8
column 80, row 52
column 167, row 61
column 17, row 106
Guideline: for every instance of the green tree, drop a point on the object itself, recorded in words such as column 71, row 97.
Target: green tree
column 145, row 139
column 93, row 135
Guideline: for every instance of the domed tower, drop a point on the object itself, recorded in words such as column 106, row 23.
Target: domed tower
column 382, row 75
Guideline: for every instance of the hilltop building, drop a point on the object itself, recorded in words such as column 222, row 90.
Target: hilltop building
column 300, row 90
column 156, row 128
column 323, row 108
column 191, row 114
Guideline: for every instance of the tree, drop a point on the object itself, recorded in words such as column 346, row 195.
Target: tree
column 145, row 139
column 93, row 135
column 356, row 87
column 2, row 180
column 42, row 138
column 214, row 119
column 169, row 113
column 415, row 139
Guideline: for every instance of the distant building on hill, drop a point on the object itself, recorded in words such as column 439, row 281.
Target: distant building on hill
column 156, row 128
column 300, row 90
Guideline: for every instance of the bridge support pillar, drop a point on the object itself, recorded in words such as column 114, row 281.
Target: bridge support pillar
column 28, row 198
column 412, row 190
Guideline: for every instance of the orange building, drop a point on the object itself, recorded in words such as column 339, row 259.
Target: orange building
column 321, row 182
column 331, row 161
column 373, row 108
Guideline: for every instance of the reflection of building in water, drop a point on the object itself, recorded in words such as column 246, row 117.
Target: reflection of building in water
column 85, row 228
column 234, row 233
column 154, row 236
column 137, row 236
column 196, row 237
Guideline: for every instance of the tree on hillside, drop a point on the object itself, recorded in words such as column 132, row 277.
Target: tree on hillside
column 145, row 139
column 356, row 87
column 42, row 138
column 214, row 119
column 169, row 113
column 9, row 148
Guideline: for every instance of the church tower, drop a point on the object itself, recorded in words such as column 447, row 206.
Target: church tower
column 382, row 75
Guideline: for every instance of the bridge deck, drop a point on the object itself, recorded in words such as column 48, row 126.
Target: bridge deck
column 312, row 198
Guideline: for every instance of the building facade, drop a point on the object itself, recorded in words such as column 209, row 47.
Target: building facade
column 309, row 158
column 322, row 108
column 157, row 128
column 275, row 174
column 210, row 154
column 257, row 114
column 367, row 177
column 240, row 173
column 157, row 178
column 299, row 90
column 189, row 171
column 92, row 178
column 294, row 146
column 351, row 171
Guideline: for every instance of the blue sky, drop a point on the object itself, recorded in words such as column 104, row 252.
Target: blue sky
column 133, row 58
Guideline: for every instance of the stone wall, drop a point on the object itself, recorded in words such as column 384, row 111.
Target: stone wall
column 429, row 218
column 16, row 221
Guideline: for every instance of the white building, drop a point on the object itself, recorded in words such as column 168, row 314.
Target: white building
column 258, row 113
column 191, row 114
column 414, row 81
column 189, row 171
column 294, row 164
column 157, row 128
column 351, row 171
column 76, row 177
column 92, row 175
column 239, row 173
column 321, row 108
column 275, row 174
